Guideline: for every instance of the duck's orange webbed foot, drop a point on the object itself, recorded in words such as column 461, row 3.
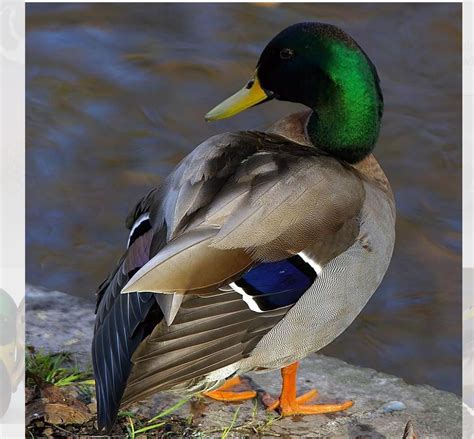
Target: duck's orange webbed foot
column 289, row 404
column 224, row 394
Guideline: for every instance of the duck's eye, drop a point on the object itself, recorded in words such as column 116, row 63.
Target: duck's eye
column 286, row 53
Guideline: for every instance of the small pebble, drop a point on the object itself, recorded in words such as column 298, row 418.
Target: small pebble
column 393, row 406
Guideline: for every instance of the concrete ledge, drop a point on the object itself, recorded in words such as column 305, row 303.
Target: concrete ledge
column 383, row 403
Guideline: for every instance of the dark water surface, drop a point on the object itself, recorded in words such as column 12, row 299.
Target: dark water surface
column 116, row 95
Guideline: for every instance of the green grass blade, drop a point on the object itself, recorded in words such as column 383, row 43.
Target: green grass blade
column 170, row 409
column 132, row 428
column 228, row 429
column 149, row 427
column 86, row 382
column 55, row 368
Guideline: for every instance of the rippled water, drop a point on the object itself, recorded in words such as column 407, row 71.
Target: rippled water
column 116, row 95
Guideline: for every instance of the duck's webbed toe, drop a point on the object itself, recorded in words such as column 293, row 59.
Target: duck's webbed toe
column 226, row 394
column 288, row 404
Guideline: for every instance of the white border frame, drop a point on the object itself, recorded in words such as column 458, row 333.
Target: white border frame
column 12, row 177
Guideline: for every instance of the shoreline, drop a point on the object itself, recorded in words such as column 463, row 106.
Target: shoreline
column 57, row 322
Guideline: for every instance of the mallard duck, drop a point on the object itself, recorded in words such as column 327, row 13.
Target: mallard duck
column 260, row 247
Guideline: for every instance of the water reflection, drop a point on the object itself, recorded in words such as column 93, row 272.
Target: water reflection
column 116, row 95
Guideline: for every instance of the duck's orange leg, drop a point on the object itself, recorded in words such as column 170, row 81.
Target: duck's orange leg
column 289, row 404
column 223, row 394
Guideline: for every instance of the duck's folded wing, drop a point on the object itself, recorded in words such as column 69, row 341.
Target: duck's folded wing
column 236, row 201
column 123, row 321
column 263, row 206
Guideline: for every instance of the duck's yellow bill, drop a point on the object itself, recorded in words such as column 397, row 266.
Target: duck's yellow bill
column 247, row 97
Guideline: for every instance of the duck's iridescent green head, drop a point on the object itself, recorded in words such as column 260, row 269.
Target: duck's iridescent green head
column 322, row 67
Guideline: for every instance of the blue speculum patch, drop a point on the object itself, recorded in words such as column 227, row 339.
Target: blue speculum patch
column 277, row 284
